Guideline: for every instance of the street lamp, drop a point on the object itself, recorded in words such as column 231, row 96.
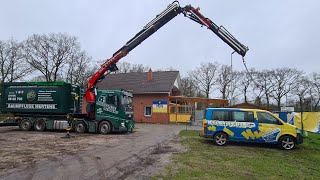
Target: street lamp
column 231, row 84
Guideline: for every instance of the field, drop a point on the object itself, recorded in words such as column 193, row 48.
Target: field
column 204, row 160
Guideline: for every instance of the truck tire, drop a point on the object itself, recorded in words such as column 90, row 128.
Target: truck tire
column 80, row 127
column 104, row 127
column 220, row 138
column 287, row 143
column 25, row 125
column 39, row 125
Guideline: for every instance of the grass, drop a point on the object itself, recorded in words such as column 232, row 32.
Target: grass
column 204, row 160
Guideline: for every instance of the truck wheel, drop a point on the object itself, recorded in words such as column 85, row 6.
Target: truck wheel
column 287, row 142
column 80, row 127
column 104, row 127
column 220, row 139
column 25, row 125
column 39, row 125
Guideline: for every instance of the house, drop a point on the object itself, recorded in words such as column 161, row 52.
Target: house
column 151, row 92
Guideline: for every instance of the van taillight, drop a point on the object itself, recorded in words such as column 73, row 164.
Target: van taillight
column 205, row 125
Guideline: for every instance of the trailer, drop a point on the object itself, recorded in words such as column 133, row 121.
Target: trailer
column 58, row 105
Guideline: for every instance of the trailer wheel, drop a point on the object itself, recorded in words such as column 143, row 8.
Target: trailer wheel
column 80, row 127
column 25, row 125
column 104, row 127
column 39, row 125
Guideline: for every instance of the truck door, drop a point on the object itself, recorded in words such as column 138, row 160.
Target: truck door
column 269, row 127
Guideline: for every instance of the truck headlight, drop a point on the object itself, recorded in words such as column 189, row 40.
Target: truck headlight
column 122, row 124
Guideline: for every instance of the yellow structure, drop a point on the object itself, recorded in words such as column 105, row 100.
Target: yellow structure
column 181, row 108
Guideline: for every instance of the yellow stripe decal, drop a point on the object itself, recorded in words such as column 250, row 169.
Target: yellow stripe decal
column 212, row 128
column 228, row 131
column 250, row 133
column 257, row 134
column 244, row 134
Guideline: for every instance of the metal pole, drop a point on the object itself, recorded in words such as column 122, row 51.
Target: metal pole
column 231, row 82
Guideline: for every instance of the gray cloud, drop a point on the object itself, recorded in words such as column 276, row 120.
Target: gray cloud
column 278, row 33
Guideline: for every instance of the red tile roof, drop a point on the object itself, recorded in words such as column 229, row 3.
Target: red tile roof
column 137, row 82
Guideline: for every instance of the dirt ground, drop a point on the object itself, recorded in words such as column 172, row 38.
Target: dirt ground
column 39, row 155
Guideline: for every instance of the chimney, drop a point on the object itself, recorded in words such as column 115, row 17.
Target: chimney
column 150, row 77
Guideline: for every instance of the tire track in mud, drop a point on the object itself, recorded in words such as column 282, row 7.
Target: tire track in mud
column 130, row 167
column 131, row 156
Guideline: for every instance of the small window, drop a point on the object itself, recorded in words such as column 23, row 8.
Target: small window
column 147, row 111
column 267, row 118
column 242, row 116
column 220, row 115
column 112, row 99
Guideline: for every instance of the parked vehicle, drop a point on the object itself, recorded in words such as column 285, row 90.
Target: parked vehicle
column 58, row 105
column 40, row 105
column 249, row 125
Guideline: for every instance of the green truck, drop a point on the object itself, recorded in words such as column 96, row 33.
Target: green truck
column 58, row 105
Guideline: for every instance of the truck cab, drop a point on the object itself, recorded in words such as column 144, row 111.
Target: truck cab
column 116, row 107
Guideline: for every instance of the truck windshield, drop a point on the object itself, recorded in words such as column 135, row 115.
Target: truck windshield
column 127, row 100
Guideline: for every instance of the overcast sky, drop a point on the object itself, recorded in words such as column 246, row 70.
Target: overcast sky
column 279, row 33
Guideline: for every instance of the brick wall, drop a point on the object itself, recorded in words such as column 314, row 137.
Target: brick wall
column 140, row 101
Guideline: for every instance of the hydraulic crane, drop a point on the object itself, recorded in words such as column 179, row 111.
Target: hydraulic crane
column 164, row 17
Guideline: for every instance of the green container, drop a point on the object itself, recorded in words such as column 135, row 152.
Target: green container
column 40, row 98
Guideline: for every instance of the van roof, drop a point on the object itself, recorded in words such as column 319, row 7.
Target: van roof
column 232, row 109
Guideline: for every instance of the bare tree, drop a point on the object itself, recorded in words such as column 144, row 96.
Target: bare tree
column 139, row 68
column 245, row 82
column 258, row 88
column 314, row 90
column 188, row 87
column 204, row 77
column 283, row 81
column 49, row 53
column 301, row 90
column 126, row 67
column 78, row 68
column 12, row 64
column 224, row 81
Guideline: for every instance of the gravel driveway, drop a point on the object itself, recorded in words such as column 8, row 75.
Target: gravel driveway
column 45, row 155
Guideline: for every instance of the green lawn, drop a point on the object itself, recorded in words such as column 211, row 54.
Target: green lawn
column 204, row 160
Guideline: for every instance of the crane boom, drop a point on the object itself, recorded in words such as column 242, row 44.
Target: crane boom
column 160, row 20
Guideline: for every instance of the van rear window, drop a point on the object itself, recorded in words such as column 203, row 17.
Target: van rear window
column 220, row 115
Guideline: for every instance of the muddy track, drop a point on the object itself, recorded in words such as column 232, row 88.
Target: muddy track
column 118, row 156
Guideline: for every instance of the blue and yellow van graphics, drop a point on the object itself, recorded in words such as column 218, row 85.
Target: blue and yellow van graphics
column 249, row 125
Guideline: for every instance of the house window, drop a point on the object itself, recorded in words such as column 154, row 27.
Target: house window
column 147, row 111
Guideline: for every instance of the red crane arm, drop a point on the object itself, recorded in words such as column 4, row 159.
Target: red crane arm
column 161, row 19
column 90, row 96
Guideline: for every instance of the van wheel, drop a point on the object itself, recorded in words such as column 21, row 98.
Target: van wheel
column 104, row 127
column 287, row 142
column 25, row 125
column 80, row 127
column 220, row 139
column 39, row 125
